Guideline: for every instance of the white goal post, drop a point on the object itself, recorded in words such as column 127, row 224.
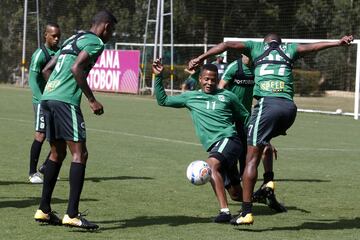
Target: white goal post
column 357, row 74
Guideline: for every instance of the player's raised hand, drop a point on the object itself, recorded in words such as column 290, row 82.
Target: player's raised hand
column 346, row 40
column 194, row 63
column 157, row 66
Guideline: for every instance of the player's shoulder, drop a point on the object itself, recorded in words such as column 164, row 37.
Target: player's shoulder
column 38, row 51
column 38, row 55
column 91, row 39
column 251, row 43
column 230, row 70
column 233, row 65
column 289, row 47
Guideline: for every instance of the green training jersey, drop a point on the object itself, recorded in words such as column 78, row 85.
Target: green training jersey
column 213, row 115
column 36, row 80
column 62, row 85
column 273, row 79
column 242, row 88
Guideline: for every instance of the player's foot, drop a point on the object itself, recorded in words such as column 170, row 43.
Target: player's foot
column 243, row 219
column 79, row 222
column 49, row 218
column 273, row 203
column 223, row 217
column 265, row 194
column 259, row 195
column 35, row 178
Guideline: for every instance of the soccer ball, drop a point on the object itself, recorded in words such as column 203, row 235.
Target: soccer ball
column 338, row 111
column 198, row 172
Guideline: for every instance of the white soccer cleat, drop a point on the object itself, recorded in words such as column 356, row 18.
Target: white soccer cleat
column 35, row 178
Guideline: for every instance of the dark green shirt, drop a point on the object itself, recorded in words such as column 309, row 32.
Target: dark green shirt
column 213, row 115
column 274, row 80
column 243, row 91
column 62, row 85
column 36, row 80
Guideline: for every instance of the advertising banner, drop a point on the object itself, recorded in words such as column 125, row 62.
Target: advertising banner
column 116, row 71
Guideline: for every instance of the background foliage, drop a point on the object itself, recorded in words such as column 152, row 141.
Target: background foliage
column 202, row 21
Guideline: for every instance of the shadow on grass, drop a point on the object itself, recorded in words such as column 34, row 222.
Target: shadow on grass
column 297, row 180
column 329, row 224
column 99, row 179
column 264, row 210
column 5, row 183
column 34, row 201
column 145, row 221
column 93, row 179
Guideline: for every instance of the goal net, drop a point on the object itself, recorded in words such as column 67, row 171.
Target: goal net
column 326, row 81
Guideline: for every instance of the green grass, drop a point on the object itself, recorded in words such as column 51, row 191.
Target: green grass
column 136, row 187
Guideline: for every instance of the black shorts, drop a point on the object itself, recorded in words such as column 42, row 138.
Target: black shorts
column 228, row 151
column 64, row 121
column 39, row 118
column 271, row 117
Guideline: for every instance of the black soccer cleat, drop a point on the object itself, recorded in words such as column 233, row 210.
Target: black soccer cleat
column 79, row 222
column 265, row 194
column 223, row 217
column 49, row 218
column 242, row 219
column 273, row 203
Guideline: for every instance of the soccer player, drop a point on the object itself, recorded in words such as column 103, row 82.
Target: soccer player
column 220, row 64
column 275, row 110
column 239, row 78
column 214, row 112
column 65, row 122
column 39, row 59
column 190, row 84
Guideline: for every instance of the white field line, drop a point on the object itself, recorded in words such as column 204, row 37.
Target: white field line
column 189, row 143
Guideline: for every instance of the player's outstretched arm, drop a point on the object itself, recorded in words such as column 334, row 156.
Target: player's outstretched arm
column 78, row 70
column 221, row 47
column 313, row 47
column 157, row 69
column 162, row 98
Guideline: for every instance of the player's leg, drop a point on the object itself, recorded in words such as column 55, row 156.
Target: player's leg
column 227, row 152
column 36, row 145
column 249, row 178
column 55, row 133
column 76, row 142
column 217, row 184
column 234, row 188
column 266, row 192
column 267, row 160
column 57, row 155
column 257, row 131
column 76, row 175
column 233, row 152
column 73, row 217
column 271, row 117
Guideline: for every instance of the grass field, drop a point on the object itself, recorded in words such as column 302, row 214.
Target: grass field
column 136, row 188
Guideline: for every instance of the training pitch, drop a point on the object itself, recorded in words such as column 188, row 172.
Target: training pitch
column 136, row 188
